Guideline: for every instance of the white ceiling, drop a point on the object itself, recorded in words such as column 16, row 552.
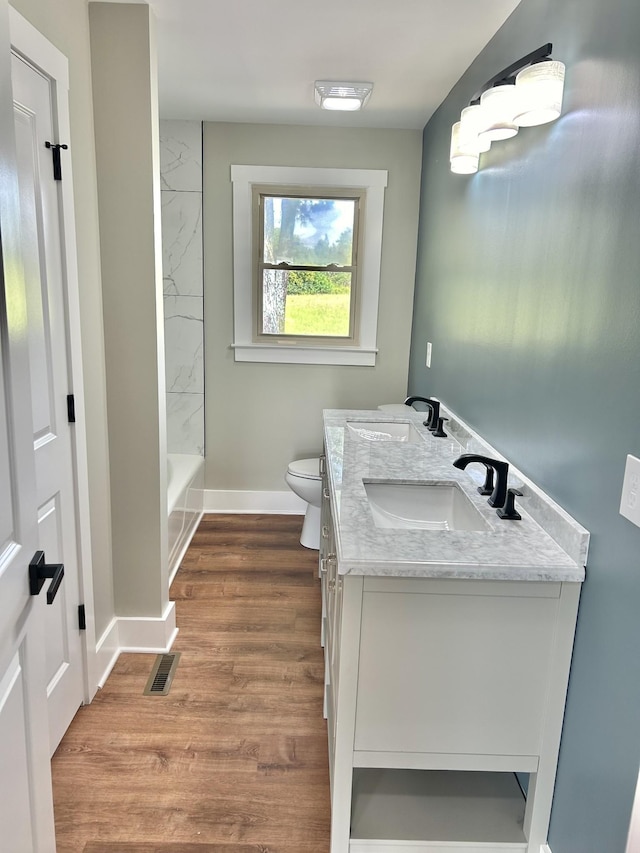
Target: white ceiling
column 256, row 60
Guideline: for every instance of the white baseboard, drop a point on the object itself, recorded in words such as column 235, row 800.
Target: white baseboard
column 107, row 651
column 285, row 502
column 148, row 635
column 545, row 849
column 379, row 846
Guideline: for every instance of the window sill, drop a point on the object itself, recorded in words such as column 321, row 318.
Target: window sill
column 297, row 354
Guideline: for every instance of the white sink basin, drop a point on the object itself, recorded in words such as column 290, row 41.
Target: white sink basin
column 422, row 506
column 385, row 431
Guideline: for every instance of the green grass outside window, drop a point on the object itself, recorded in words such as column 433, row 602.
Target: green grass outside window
column 317, row 314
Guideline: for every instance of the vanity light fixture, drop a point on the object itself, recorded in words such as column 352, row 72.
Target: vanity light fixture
column 526, row 93
column 333, row 95
column 464, row 155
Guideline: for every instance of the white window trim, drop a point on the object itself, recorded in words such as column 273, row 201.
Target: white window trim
column 289, row 352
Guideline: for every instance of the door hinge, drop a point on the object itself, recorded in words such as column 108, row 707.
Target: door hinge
column 55, row 153
column 71, row 408
column 82, row 618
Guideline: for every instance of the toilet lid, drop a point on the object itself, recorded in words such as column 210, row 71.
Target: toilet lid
column 309, row 469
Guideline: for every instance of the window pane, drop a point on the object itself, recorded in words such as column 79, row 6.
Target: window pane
column 306, row 303
column 315, row 231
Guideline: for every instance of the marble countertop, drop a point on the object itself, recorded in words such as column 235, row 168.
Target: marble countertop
column 546, row 545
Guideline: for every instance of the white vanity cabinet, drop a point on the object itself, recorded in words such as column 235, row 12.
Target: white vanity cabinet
column 447, row 654
column 437, row 692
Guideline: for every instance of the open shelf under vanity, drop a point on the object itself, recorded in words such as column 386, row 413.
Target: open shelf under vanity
column 436, row 810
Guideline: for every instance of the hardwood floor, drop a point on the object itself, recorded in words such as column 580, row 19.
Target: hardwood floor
column 234, row 758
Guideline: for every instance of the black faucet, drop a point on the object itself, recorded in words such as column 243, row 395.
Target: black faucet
column 499, row 493
column 434, row 410
column 411, row 400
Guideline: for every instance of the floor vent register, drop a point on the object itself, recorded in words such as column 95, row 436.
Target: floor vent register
column 159, row 682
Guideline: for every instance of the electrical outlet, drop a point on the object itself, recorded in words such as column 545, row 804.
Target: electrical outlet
column 630, row 501
column 428, row 362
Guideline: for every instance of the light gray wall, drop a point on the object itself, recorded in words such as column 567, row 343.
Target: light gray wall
column 66, row 24
column 528, row 287
column 127, row 154
column 261, row 416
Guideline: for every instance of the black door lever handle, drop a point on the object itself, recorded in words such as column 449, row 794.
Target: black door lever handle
column 39, row 572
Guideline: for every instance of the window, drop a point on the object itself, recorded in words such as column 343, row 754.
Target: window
column 307, row 245
column 306, row 264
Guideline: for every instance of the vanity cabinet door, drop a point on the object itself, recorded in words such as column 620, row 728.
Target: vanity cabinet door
column 325, row 546
column 325, row 510
column 454, row 672
column 331, row 644
column 334, row 650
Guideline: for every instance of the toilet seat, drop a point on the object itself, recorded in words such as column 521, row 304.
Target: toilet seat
column 308, row 469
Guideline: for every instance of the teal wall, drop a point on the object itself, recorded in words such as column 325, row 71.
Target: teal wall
column 528, row 285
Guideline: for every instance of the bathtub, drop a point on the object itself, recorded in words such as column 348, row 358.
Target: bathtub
column 185, row 483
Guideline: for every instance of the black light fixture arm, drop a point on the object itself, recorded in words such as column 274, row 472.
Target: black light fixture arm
column 535, row 56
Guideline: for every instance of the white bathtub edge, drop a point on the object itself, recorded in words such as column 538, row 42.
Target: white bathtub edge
column 184, row 469
column 184, row 503
column 179, row 555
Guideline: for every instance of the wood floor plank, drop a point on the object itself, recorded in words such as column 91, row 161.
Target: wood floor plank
column 210, row 587
column 234, row 759
column 101, row 847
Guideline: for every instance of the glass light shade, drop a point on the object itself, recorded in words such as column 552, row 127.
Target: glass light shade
column 464, row 164
column 470, row 126
column 498, row 106
column 464, row 158
column 346, row 104
column 539, row 89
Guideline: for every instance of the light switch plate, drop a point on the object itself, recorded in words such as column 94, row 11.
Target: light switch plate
column 630, row 502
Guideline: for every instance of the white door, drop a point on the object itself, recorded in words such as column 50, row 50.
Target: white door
column 42, row 244
column 26, row 809
column 26, row 813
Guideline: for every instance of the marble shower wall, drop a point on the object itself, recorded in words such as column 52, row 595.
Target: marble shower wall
column 181, row 181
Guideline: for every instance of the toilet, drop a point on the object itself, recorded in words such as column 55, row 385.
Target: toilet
column 304, row 479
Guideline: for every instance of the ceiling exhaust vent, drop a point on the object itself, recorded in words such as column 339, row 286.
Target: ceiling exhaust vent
column 159, row 682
